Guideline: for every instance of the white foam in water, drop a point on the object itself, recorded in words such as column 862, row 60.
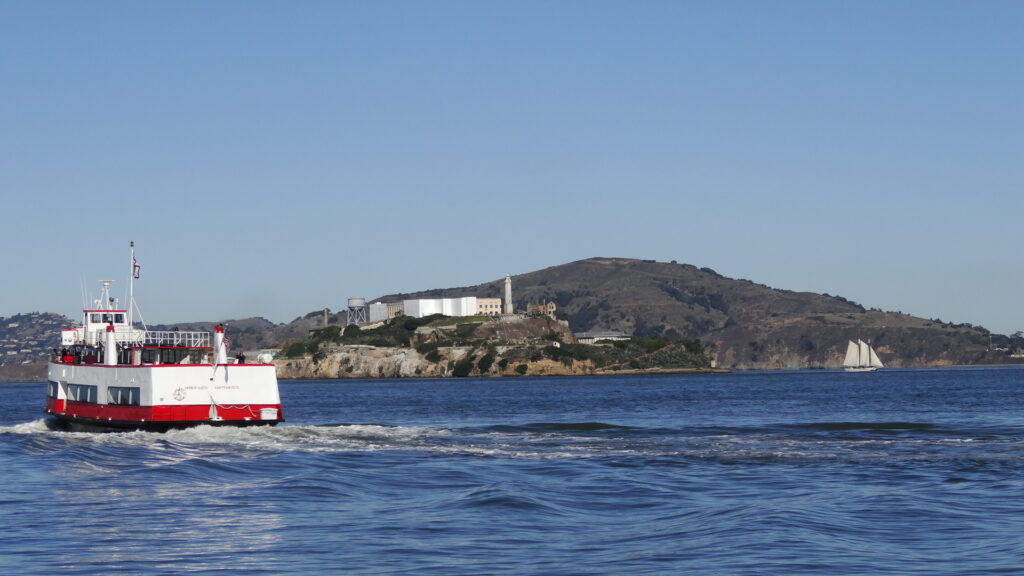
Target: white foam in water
column 34, row 427
column 198, row 440
column 280, row 438
column 205, row 441
column 307, row 438
column 366, row 437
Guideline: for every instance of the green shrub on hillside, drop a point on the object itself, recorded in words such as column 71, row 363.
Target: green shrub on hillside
column 427, row 347
column 463, row 367
column 410, row 324
column 328, row 334
column 651, row 344
column 294, row 350
column 485, row 363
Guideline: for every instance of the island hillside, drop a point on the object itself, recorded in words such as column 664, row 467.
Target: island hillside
column 724, row 322
column 742, row 324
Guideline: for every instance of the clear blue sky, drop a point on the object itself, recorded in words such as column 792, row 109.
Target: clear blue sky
column 275, row 158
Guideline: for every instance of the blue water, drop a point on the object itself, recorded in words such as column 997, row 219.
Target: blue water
column 895, row 472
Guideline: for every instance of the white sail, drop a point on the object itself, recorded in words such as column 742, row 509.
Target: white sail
column 852, row 355
column 873, row 360
column 861, row 357
column 865, row 352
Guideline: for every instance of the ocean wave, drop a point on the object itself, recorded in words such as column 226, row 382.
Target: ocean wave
column 542, row 427
column 504, row 497
column 868, row 426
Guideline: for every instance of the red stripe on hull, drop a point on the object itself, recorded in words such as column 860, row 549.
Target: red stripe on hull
column 65, row 422
column 159, row 417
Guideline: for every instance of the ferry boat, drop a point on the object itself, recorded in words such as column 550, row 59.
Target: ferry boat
column 111, row 375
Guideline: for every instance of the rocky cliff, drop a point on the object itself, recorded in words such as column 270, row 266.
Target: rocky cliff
column 374, row 362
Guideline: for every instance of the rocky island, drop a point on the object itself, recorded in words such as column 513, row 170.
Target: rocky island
column 438, row 346
column 672, row 317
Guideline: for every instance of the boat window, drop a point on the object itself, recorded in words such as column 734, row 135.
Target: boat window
column 172, row 355
column 95, row 318
column 176, row 356
column 81, row 393
column 118, row 318
column 51, row 389
column 123, row 396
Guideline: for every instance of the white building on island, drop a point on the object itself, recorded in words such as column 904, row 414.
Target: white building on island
column 465, row 306
column 594, row 336
column 420, row 307
column 384, row 311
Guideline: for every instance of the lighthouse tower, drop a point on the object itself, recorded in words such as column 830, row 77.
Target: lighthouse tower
column 508, row 295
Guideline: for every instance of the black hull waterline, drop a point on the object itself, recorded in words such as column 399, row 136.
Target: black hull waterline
column 74, row 424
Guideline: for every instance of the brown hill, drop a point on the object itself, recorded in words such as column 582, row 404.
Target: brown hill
column 744, row 325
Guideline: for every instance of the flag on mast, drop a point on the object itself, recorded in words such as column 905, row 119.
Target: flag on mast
column 136, row 269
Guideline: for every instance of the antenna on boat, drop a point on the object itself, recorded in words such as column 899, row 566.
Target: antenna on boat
column 85, row 292
column 105, row 301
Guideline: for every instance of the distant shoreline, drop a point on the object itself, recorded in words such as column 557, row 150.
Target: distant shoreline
column 630, row 372
column 655, row 371
column 7, row 377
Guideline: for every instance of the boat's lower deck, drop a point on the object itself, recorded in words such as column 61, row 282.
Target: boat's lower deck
column 77, row 424
column 164, row 417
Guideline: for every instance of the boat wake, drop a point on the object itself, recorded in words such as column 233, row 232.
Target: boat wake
column 879, row 442
column 33, row 427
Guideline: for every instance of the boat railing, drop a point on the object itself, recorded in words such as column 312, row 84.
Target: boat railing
column 136, row 337
column 177, row 339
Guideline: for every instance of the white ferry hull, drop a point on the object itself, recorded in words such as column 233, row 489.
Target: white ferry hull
column 162, row 397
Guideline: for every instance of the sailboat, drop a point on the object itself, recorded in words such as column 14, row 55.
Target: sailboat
column 861, row 357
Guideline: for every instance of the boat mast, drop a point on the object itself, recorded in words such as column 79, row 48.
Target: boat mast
column 131, row 284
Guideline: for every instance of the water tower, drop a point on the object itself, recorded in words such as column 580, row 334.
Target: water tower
column 357, row 311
